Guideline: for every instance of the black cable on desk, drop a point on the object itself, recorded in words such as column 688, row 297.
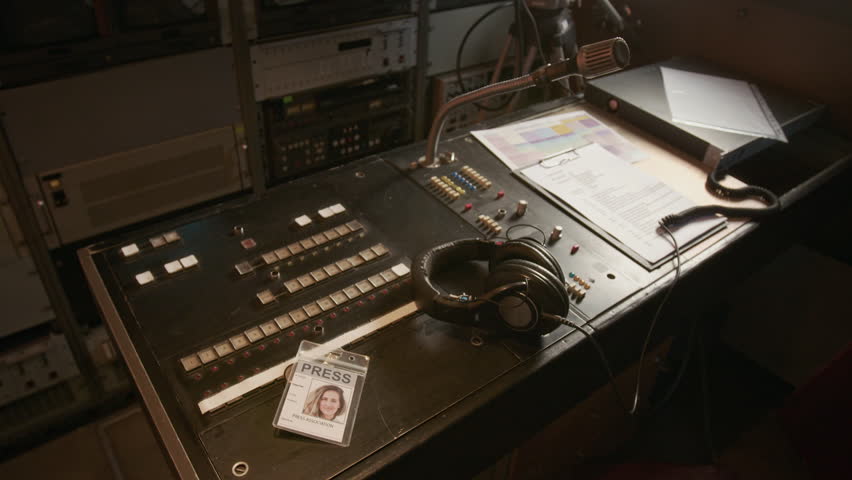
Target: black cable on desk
column 601, row 354
column 714, row 186
column 635, row 406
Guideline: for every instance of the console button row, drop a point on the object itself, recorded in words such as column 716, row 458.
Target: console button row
column 312, row 278
column 298, row 247
column 172, row 267
column 132, row 249
column 282, row 322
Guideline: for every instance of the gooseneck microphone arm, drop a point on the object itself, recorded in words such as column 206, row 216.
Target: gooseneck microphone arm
column 592, row 61
column 507, row 86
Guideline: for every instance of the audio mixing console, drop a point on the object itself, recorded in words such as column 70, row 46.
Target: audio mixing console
column 209, row 310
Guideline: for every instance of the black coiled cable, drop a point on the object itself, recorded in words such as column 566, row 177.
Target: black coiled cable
column 714, row 186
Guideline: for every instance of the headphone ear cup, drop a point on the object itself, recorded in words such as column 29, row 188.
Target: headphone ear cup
column 522, row 310
column 529, row 250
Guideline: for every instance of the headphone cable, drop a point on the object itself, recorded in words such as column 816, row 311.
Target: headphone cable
column 601, row 354
column 634, row 408
column 565, row 321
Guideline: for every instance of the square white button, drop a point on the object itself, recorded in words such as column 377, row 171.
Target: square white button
column 239, row 341
column 400, row 269
column 326, row 303
column 145, row 277
column 265, row 297
column 303, row 220
column 157, row 242
column 337, row 208
column 171, row 236
column 254, row 334
column 283, row 321
column 223, row 348
column 269, row 328
column 173, row 267
column 325, row 213
column 190, row 362
column 129, row 250
column 189, row 261
column 207, row 355
column 298, row 316
column 243, row 268
column 354, row 225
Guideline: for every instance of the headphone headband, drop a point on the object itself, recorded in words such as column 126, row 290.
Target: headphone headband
column 525, row 268
column 427, row 297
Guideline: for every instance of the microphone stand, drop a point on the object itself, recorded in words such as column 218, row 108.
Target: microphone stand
column 591, row 61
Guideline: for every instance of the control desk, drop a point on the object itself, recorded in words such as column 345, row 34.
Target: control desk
column 209, row 310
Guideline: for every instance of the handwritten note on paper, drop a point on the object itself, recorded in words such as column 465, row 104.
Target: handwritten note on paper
column 619, row 198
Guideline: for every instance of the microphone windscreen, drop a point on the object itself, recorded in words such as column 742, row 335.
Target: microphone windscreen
column 601, row 58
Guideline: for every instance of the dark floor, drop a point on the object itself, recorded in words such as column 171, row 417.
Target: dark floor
column 790, row 320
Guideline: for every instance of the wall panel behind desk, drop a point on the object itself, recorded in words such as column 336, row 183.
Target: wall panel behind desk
column 63, row 122
column 148, row 133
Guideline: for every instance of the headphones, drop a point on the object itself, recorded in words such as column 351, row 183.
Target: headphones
column 524, row 290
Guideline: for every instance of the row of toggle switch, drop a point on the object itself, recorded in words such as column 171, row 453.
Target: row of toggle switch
column 490, row 224
column 132, row 249
column 294, row 285
column 302, row 246
column 475, row 177
column 445, row 188
column 576, row 291
column 287, row 320
column 581, row 281
column 456, row 177
column 170, row 268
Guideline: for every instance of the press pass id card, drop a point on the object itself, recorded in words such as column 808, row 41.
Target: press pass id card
column 323, row 393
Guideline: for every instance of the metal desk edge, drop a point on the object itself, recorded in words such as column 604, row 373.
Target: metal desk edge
column 155, row 408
